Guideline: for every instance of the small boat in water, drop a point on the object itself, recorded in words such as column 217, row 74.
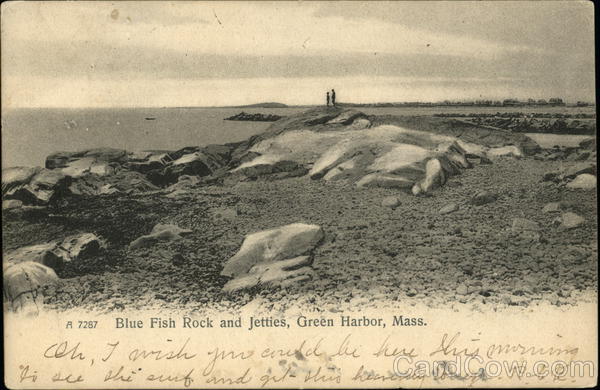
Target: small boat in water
column 150, row 118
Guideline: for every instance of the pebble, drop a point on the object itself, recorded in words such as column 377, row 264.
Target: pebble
column 483, row 197
column 462, row 290
column 450, row 208
column 391, row 202
column 571, row 220
column 552, row 207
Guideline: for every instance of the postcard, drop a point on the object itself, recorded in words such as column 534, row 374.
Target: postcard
column 299, row 194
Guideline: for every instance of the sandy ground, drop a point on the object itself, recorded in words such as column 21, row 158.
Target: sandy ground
column 371, row 255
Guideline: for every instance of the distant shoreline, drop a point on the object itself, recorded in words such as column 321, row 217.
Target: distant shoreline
column 275, row 105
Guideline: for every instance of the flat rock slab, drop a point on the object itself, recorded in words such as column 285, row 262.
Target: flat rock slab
column 38, row 188
column 281, row 243
column 571, row 220
column 483, row 197
column 278, row 273
column 11, row 204
column 160, row 232
column 55, row 253
column 449, row 208
column 585, row 181
column 526, row 229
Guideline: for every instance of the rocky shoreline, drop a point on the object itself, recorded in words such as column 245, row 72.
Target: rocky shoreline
column 96, row 217
column 243, row 116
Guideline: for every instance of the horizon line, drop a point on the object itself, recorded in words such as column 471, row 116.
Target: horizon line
column 257, row 105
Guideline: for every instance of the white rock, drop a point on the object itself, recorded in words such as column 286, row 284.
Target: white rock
column 160, row 232
column 571, row 220
column 281, row 243
column 390, row 201
column 434, row 176
column 16, row 177
column 54, row 253
column 11, row 204
column 450, row 208
column 584, row 181
column 505, row 151
column 385, row 181
column 86, row 165
column 338, row 171
column 400, row 156
column 22, row 283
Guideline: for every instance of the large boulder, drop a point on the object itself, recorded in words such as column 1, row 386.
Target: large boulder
column 17, row 177
column 40, row 188
column 22, row 285
column 383, row 156
column 277, row 244
column 193, row 161
column 55, row 253
column 61, row 159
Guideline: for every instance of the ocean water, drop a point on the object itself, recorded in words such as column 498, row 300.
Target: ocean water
column 551, row 140
column 29, row 135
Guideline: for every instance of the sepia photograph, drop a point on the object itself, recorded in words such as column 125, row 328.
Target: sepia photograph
column 330, row 180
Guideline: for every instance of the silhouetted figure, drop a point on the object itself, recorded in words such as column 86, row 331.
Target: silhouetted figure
column 327, row 99
column 333, row 97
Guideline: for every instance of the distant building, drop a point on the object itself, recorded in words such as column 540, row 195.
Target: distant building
column 556, row 102
column 511, row 102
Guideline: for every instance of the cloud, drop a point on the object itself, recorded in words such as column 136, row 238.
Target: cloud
column 100, row 53
column 235, row 29
column 555, row 26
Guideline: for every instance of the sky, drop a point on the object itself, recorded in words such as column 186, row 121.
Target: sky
column 155, row 54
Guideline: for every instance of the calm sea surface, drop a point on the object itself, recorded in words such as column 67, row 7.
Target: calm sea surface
column 29, row 135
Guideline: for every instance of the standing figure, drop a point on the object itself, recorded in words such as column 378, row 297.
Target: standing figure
column 327, row 99
column 333, row 97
